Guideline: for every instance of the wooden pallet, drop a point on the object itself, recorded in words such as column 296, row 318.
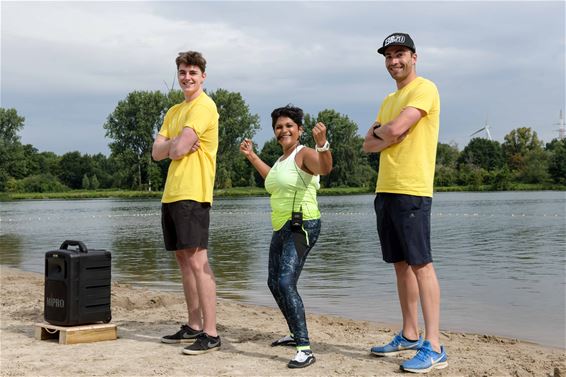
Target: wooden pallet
column 76, row 334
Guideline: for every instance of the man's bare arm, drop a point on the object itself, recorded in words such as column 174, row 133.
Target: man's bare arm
column 160, row 149
column 373, row 144
column 380, row 137
column 182, row 144
column 399, row 127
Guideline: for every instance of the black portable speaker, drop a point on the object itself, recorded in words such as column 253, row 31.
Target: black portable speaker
column 77, row 285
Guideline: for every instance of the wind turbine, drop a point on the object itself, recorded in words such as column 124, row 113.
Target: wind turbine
column 484, row 128
column 562, row 129
column 172, row 83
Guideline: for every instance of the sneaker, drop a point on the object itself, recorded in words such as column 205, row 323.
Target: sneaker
column 287, row 340
column 302, row 359
column 425, row 360
column 204, row 343
column 185, row 335
column 399, row 343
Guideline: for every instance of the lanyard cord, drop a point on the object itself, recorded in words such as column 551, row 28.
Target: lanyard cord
column 301, row 177
column 295, row 195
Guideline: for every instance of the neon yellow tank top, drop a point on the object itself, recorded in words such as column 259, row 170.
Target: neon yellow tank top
column 287, row 183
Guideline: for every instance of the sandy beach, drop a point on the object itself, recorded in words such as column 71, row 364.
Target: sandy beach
column 143, row 316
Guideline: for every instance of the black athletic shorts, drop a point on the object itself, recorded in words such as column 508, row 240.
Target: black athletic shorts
column 185, row 224
column 403, row 225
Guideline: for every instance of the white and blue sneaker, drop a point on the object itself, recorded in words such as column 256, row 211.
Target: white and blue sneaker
column 425, row 360
column 398, row 344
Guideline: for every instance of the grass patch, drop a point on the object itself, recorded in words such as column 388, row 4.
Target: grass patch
column 82, row 194
column 253, row 191
column 331, row 191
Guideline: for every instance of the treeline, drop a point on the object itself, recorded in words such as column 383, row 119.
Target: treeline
column 521, row 159
column 132, row 126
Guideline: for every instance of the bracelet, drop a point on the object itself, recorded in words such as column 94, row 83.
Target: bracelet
column 324, row 148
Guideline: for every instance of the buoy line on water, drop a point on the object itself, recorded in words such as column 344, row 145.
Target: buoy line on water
column 220, row 212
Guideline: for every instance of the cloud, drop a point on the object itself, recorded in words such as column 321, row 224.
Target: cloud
column 501, row 60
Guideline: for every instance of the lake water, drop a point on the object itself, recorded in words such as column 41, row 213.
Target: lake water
column 500, row 257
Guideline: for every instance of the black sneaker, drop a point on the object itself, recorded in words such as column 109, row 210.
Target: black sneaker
column 287, row 340
column 302, row 359
column 185, row 335
column 204, row 343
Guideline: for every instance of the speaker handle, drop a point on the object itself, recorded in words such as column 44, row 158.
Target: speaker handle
column 82, row 246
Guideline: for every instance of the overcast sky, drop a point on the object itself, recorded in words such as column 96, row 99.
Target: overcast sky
column 65, row 65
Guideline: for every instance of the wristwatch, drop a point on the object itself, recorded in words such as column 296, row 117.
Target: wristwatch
column 373, row 131
column 324, row 148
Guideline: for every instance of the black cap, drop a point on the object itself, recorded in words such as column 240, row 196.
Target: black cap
column 398, row 39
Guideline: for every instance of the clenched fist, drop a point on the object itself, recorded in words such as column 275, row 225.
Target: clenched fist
column 319, row 134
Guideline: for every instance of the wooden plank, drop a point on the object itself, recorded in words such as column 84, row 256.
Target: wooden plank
column 76, row 334
column 88, row 335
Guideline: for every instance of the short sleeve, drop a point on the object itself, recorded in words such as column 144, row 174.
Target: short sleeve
column 199, row 119
column 164, row 130
column 423, row 97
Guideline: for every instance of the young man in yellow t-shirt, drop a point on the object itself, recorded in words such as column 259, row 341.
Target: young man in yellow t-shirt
column 406, row 134
column 189, row 137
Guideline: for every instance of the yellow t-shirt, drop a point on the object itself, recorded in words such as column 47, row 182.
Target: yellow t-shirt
column 408, row 167
column 192, row 177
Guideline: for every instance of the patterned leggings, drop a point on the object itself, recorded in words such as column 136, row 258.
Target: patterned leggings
column 287, row 255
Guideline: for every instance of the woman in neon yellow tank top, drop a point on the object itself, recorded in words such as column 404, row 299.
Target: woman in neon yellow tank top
column 292, row 183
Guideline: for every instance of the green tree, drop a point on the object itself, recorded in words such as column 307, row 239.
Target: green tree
column 155, row 177
column 483, row 153
column 73, row 167
column 174, row 97
column 103, row 169
column 516, row 145
column 351, row 167
column 471, row 175
column 85, row 182
column 13, row 160
column 223, row 177
column 236, row 123
column 132, row 127
column 48, row 163
column 535, row 167
column 31, row 158
column 12, row 163
column 445, row 176
column 163, row 168
column 557, row 160
column 447, row 154
column 36, row 183
column 10, row 124
column 554, row 143
column 94, row 184
column 269, row 153
column 500, row 180
column 446, row 173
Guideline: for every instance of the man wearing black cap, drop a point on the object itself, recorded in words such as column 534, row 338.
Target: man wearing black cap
column 406, row 134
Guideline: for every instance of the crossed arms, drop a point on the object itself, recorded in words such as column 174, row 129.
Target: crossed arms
column 379, row 137
column 177, row 147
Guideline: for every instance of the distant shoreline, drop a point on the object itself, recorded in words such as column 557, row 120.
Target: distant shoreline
column 246, row 192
